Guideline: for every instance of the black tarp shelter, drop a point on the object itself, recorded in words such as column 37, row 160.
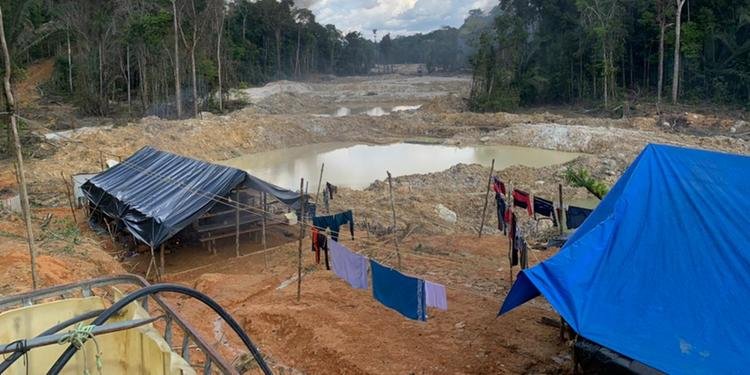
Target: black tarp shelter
column 156, row 194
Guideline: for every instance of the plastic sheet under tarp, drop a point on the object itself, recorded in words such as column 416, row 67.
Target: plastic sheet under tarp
column 660, row 271
column 139, row 350
column 155, row 194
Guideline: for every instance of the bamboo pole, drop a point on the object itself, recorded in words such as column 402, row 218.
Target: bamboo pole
column 320, row 181
column 301, row 235
column 237, row 223
column 486, row 199
column 70, row 199
column 393, row 214
column 263, row 223
column 11, row 106
column 560, row 210
column 511, row 230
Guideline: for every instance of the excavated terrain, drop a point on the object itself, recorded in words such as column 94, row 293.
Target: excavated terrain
column 333, row 328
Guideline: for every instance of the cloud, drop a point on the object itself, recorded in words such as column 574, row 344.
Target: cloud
column 398, row 17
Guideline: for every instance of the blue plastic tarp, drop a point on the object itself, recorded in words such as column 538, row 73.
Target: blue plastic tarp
column 155, row 194
column 660, row 271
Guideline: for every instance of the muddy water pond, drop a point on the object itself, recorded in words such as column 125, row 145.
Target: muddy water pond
column 358, row 165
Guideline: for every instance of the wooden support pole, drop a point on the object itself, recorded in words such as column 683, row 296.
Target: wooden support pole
column 301, row 235
column 237, row 223
column 70, row 198
column 161, row 260
column 320, row 182
column 486, row 199
column 263, row 224
column 510, row 230
column 11, row 106
column 561, row 210
column 393, row 214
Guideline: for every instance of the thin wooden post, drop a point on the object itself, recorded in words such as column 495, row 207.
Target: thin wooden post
column 301, row 235
column 320, row 181
column 11, row 106
column 263, row 229
column 560, row 210
column 152, row 262
column 237, row 223
column 393, row 214
column 510, row 230
column 486, row 199
column 161, row 259
column 101, row 160
column 70, row 199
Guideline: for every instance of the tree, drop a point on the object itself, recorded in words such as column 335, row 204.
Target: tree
column 176, row 62
column 661, row 18
column 603, row 19
column 676, row 71
column 11, row 108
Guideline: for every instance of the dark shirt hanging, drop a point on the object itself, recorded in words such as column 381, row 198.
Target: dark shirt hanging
column 575, row 216
column 545, row 208
column 332, row 189
column 500, row 203
column 522, row 199
column 333, row 222
column 512, row 238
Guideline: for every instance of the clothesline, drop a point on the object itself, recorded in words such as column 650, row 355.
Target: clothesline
column 369, row 244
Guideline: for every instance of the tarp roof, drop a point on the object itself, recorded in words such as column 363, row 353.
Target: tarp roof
column 660, row 271
column 156, row 194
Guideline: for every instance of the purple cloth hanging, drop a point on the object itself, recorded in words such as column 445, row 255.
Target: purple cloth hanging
column 348, row 265
column 435, row 295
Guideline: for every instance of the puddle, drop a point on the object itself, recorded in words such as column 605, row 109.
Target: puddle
column 358, row 165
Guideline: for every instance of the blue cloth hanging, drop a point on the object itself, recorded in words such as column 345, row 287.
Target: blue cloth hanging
column 402, row 293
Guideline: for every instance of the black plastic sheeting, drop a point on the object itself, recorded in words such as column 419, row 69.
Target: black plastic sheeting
column 155, row 194
column 596, row 359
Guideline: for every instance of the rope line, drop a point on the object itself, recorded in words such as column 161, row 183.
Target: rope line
column 78, row 337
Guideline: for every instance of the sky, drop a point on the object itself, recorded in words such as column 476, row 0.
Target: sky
column 397, row 17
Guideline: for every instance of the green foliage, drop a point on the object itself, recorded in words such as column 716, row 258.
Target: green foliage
column 573, row 47
column 581, row 178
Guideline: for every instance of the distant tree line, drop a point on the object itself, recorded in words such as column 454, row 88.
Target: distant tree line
column 610, row 51
column 174, row 57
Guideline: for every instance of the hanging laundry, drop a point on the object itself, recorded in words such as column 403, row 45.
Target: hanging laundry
column 348, row 265
column 325, row 200
column 331, row 189
column 522, row 199
column 435, row 295
column 520, row 247
column 319, row 242
column 498, row 185
column 333, row 222
column 500, row 203
column 402, row 293
column 575, row 216
column 513, row 225
column 545, row 208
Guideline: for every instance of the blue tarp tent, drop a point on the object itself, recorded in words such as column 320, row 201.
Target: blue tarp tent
column 660, row 271
column 155, row 194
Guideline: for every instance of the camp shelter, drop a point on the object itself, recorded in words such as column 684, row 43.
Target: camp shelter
column 660, row 271
column 155, row 194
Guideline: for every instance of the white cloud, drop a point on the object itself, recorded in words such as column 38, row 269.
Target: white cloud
column 398, row 17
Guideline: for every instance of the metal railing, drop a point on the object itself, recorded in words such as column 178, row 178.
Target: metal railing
column 86, row 289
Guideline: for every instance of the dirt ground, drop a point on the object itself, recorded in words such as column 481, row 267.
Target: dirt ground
column 333, row 328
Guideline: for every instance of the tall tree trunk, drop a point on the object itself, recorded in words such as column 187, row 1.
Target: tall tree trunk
column 660, row 82
column 70, row 61
column 127, row 63
column 277, row 34
column 178, row 94
column 676, row 71
column 195, row 81
column 296, row 66
column 218, row 57
column 11, row 106
column 605, row 66
column 143, row 83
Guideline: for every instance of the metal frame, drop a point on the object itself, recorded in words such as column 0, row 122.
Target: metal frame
column 85, row 289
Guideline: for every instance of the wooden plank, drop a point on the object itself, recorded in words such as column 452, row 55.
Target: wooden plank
column 301, row 235
column 393, row 212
